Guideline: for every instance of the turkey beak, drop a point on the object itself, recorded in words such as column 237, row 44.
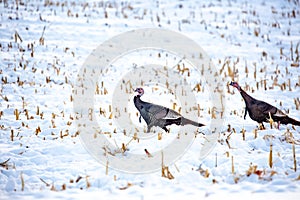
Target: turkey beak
column 136, row 91
column 231, row 83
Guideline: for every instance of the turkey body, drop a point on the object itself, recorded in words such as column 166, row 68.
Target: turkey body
column 157, row 115
column 261, row 111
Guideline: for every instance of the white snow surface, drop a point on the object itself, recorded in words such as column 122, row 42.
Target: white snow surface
column 254, row 42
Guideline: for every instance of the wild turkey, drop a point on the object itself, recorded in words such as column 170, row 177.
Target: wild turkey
column 261, row 111
column 156, row 115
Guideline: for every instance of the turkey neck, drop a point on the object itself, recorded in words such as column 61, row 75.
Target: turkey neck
column 137, row 98
column 247, row 98
column 137, row 101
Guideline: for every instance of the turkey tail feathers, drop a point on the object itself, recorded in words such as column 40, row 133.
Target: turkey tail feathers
column 185, row 121
column 294, row 122
column 287, row 120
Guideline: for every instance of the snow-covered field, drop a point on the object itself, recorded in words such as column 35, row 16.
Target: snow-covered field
column 45, row 43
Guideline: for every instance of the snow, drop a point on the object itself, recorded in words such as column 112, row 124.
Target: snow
column 47, row 159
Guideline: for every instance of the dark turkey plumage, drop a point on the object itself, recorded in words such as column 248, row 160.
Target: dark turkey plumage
column 261, row 111
column 156, row 115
